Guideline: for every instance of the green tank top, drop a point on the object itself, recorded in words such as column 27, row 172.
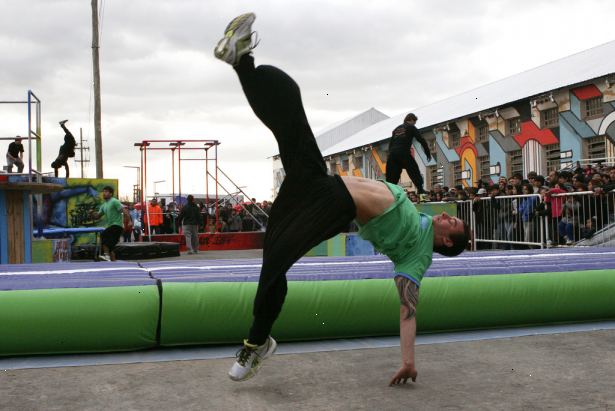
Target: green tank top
column 402, row 234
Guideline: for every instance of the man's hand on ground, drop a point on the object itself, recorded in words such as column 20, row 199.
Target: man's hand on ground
column 402, row 375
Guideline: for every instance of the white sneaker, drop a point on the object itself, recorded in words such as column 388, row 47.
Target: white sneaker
column 250, row 358
column 105, row 257
column 237, row 39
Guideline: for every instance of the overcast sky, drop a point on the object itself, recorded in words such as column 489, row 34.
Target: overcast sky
column 160, row 80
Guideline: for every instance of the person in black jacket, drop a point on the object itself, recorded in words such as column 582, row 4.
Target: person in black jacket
column 399, row 153
column 66, row 150
column 190, row 218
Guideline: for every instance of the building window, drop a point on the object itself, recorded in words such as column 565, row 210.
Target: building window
column 454, row 138
column 516, row 162
column 432, row 146
column 358, row 162
column 592, row 107
column 456, row 171
column 549, row 118
column 553, row 155
column 345, row 165
column 596, row 147
column 484, row 166
column 513, row 126
column 435, row 175
column 483, row 133
column 332, row 167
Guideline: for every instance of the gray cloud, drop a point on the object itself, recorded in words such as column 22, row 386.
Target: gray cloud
column 159, row 77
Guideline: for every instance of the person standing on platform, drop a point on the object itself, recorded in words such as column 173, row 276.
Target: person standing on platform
column 190, row 218
column 67, row 150
column 399, row 153
column 14, row 155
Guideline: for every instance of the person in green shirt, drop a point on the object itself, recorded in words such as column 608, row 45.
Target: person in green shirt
column 312, row 206
column 112, row 212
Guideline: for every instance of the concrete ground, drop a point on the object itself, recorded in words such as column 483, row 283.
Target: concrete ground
column 559, row 371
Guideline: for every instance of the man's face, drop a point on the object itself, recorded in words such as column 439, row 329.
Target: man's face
column 107, row 194
column 444, row 223
column 410, row 122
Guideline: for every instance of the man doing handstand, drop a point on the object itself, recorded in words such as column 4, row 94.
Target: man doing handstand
column 66, row 150
column 312, row 206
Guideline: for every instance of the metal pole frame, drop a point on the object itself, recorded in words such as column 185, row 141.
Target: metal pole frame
column 144, row 145
column 217, row 182
column 173, row 174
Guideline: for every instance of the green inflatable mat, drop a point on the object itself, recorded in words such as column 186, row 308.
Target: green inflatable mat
column 68, row 320
column 220, row 312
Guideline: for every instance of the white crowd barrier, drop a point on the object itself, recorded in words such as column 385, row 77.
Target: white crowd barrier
column 520, row 221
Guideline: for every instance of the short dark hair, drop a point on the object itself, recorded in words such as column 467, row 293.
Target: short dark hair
column 190, row 198
column 109, row 189
column 460, row 242
column 410, row 117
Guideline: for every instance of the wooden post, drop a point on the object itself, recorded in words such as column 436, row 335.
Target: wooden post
column 96, row 70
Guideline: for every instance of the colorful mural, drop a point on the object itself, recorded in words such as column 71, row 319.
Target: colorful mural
column 468, row 156
column 86, row 195
column 375, row 163
column 70, row 207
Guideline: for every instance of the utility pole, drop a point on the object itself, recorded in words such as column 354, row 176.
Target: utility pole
column 96, row 70
column 81, row 149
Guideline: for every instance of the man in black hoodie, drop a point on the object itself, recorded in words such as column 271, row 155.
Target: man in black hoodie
column 399, row 153
column 66, row 150
column 190, row 218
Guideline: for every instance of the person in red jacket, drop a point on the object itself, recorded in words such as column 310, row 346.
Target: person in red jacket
column 153, row 218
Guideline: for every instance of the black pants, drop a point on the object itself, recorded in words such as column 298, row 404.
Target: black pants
column 398, row 161
column 111, row 236
column 311, row 205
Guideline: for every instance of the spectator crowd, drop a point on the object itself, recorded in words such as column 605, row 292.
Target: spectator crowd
column 167, row 218
column 569, row 218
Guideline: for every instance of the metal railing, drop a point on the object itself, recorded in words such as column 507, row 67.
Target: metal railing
column 582, row 218
column 508, row 222
column 521, row 221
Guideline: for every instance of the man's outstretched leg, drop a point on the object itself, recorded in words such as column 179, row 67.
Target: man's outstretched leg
column 310, row 207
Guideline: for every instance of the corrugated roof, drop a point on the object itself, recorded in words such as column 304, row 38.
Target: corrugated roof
column 574, row 69
column 348, row 127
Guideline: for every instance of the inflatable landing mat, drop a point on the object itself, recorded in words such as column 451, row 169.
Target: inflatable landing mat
column 89, row 307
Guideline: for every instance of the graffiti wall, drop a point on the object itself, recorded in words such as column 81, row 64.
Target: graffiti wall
column 71, row 206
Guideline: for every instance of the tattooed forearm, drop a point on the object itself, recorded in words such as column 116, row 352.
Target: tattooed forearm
column 408, row 294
